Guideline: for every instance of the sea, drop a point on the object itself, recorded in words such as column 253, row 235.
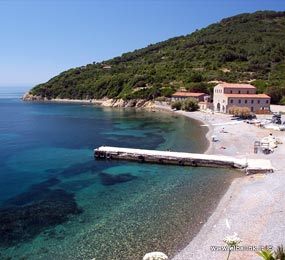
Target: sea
column 58, row 203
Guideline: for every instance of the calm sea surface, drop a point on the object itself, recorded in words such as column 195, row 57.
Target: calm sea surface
column 57, row 202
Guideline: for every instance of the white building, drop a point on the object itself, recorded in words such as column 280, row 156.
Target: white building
column 240, row 95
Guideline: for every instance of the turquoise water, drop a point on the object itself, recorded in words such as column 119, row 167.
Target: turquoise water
column 57, row 202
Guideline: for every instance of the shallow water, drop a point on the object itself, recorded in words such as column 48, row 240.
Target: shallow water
column 57, row 202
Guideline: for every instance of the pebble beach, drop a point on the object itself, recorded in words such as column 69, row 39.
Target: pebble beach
column 252, row 206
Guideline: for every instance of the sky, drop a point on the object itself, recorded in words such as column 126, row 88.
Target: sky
column 40, row 39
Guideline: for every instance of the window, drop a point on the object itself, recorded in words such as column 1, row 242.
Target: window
column 239, row 101
column 245, row 101
column 231, row 92
column 258, row 101
column 232, row 101
column 247, row 92
column 239, row 91
column 266, row 101
column 252, row 101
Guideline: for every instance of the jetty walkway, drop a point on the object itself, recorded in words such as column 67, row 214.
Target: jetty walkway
column 182, row 158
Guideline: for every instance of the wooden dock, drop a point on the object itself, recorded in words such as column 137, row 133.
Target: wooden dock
column 181, row 158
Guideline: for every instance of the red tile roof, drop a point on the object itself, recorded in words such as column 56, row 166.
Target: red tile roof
column 187, row 94
column 247, row 96
column 232, row 85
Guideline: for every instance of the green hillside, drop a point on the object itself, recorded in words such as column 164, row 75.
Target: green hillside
column 240, row 48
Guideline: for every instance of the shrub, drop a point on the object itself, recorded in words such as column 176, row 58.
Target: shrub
column 190, row 104
column 278, row 254
column 243, row 112
column 176, row 105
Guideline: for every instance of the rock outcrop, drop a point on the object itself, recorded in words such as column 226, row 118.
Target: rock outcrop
column 138, row 103
column 29, row 97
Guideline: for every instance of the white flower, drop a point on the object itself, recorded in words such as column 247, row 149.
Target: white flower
column 232, row 240
column 155, row 256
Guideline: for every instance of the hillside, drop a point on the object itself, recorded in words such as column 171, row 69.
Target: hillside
column 240, row 48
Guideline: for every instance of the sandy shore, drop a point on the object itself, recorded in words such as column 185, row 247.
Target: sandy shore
column 253, row 206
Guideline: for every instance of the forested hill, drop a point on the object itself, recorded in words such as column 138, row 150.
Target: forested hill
column 240, row 48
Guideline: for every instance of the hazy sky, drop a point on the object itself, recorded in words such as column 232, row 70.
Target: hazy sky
column 41, row 38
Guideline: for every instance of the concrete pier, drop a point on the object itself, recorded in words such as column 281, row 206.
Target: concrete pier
column 181, row 158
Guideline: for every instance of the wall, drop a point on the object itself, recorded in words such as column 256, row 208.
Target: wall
column 247, row 102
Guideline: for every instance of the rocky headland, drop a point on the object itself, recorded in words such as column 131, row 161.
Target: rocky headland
column 106, row 102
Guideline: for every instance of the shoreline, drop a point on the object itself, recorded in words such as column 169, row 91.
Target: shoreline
column 249, row 207
column 106, row 102
column 85, row 101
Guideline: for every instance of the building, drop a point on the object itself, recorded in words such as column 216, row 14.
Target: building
column 239, row 95
column 107, row 67
column 205, row 105
column 180, row 96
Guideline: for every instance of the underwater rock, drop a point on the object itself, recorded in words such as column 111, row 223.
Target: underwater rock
column 21, row 223
column 110, row 179
column 77, row 169
column 36, row 192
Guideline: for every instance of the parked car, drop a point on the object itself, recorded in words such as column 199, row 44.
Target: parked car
column 236, row 118
column 276, row 114
column 276, row 118
column 276, row 121
column 252, row 116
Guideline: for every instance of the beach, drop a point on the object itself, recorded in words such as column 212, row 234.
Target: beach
column 253, row 206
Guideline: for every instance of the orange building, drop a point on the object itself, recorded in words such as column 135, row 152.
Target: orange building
column 180, row 96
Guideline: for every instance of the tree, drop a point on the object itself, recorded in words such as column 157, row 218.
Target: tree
column 250, row 46
column 176, row 105
column 282, row 101
column 190, row 104
column 275, row 93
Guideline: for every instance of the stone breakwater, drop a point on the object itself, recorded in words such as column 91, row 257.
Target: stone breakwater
column 138, row 103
